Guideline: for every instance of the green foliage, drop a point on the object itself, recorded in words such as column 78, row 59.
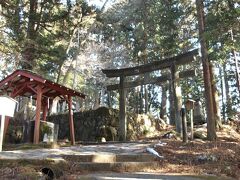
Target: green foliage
column 70, row 42
column 39, row 32
column 223, row 35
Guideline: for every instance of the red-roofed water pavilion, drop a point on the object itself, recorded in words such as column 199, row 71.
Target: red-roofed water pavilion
column 28, row 84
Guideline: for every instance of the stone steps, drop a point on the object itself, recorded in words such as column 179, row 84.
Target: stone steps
column 112, row 162
column 115, row 167
column 110, row 158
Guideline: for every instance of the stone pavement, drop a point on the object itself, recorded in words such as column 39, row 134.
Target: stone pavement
column 115, row 148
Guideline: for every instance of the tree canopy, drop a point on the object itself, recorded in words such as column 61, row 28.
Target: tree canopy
column 70, row 41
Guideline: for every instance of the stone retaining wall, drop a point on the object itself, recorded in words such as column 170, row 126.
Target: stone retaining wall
column 94, row 125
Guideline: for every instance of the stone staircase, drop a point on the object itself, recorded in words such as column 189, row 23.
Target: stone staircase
column 112, row 162
column 90, row 158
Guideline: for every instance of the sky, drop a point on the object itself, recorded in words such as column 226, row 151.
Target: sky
column 99, row 3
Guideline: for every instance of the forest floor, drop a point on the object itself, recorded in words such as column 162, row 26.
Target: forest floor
column 221, row 158
column 197, row 157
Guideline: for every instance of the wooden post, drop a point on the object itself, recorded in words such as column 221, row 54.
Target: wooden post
column 45, row 109
column 191, row 123
column 177, row 99
column 184, row 125
column 72, row 134
column 6, row 123
column 38, row 113
column 122, row 110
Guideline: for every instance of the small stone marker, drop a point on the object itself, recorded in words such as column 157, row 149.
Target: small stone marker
column 198, row 113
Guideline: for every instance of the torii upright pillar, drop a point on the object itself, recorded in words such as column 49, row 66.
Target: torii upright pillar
column 122, row 111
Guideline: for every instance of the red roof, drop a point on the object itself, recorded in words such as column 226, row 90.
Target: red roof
column 24, row 83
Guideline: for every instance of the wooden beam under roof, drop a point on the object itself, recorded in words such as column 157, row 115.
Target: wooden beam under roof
column 23, row 76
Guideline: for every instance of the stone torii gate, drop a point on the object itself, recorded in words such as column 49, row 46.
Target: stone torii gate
column 174, row 77
column 26, row 83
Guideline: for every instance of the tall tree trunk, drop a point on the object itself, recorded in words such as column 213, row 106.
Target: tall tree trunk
column 211, row 124
column 231, row 7
column 145, row 55
column 67, row 74
column 177, row 96
column 30, row 47
column 17, row 20
column 222, row 95
column 227, row 92
column 215, row 97
column 237, row 71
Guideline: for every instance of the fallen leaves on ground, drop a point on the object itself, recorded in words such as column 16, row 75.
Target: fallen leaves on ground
column 203, row 157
